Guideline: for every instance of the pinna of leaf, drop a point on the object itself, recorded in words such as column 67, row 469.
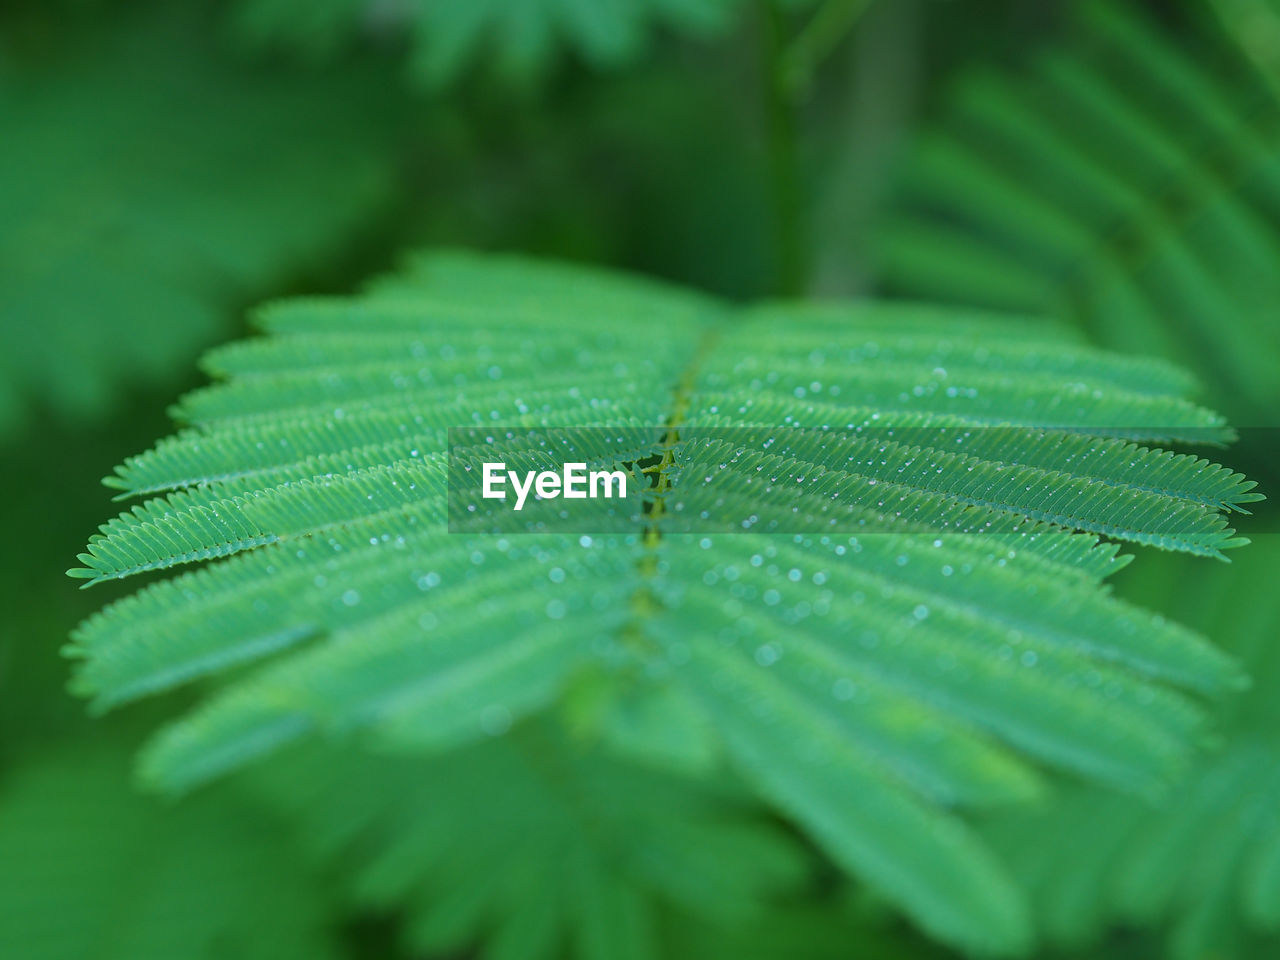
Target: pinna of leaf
column 872, row 687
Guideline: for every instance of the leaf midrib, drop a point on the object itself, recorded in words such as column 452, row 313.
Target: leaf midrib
column 643, row 602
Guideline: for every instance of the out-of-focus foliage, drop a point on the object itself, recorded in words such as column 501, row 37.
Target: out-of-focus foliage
column 830, row 925
column 520, row 38
column 93, row 869
column 1122, row 182
column 1203, row 860
column 1254, row 25
column 932, row 661
column 147, row 186
column 536, row 846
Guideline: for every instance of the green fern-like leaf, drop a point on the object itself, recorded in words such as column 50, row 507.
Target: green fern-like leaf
column 136, row 217
column 867, row 685
column 1124, row 184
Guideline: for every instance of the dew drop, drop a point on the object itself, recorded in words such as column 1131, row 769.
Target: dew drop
column 767, row 654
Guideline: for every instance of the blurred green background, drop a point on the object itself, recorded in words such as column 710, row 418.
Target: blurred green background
column 163, row 166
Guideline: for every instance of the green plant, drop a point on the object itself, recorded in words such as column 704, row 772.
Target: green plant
column 875, row 689
column 1203, row 861
column 573, row 846
column 921, row 706
column 1119, row 182
column 149, row 881
column 521, row 39
column 1112, row 861
column 1125, row 181
column 132, row 220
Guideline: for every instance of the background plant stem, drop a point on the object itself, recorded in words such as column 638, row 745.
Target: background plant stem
column 789, row 248
column 813, row 44
column 789, row 68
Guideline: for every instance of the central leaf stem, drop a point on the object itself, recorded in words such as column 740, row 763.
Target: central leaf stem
column 643, row 601
column 680, row 399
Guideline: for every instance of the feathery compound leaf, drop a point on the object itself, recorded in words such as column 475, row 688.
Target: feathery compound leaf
column 857, row 649
column 134, row 216
column 1125, row 185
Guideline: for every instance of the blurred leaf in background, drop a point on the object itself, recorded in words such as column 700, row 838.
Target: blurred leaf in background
column 1202, row 861
column 148, row 186
column 1126, row 181
column 534, row 846
column 93, row 869
column 520, row 40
